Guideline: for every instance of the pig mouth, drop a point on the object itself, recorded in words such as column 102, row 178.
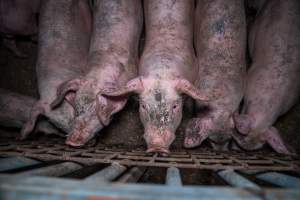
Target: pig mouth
column 78, row 139
column 74, row 144
column 162, row 151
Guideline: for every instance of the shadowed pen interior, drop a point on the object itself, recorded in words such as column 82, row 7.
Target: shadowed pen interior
column 149, row 99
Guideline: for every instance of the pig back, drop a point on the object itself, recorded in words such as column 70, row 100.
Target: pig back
column 169, row 39
column 275, row 51
column 116, row 30
column 63, row 43
column 220, row 41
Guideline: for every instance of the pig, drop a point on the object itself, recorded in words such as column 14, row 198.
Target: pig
column 272, row 80
column 166, row 71
column 18, row 18
column 15, row 111
column 64, row 37
column 113, row 58
column 220, row 41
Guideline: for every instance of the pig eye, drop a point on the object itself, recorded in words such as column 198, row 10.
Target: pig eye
column 143, row 106
column 175, row 106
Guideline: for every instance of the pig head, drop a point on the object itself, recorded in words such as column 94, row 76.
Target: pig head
column 93, row 111
column 160, row 107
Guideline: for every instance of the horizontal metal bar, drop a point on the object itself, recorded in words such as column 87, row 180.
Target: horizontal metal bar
column 52, row 170
column 35, row 188
column 107, row 174
column 279, row 179
column 54, row 189
column 128, row 162
column 53, row 149
column 16, row 162
column 173, row 177
column 133, row 175
column 236, row 180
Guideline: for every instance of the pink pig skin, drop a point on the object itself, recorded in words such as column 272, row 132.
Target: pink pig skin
column 167, row 70
column 273, row 85
column 15, row 111
column 220, row 41
column 113, row 58
column 64, row 36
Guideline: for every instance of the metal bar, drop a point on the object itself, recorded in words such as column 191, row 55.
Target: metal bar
column 133, row 175
column 16, row 162
column 107, row 174
column 236, row 179
column 153, row 163
column 54, row 189
column 53, row 149
column 52, row 170
column 173, row 177
column 279, row 179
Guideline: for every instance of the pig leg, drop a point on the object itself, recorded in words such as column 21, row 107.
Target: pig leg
column 15, row 111
column 37, row 110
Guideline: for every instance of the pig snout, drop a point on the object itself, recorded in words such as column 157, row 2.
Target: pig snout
column 77, row 138
column 159, row 140
column 83, row 132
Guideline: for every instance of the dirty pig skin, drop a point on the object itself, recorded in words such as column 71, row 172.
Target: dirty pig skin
column 113, row 59
column 15, row 112
column 64, row 36
column 167, row 70
column 220, row 41
column 273, row 85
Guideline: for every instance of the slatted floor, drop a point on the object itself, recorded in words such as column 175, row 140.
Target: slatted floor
column 39, row 169
column 54, row 149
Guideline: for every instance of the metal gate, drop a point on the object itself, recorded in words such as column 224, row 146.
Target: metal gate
column 45, row 168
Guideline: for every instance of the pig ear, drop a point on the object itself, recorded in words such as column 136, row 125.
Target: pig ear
column 185, row 87
column 106, row 107
column 63, row 90
column 242, row 123
column 273, row 138
column 133, row 86
column 196, row 132
column 29, row 126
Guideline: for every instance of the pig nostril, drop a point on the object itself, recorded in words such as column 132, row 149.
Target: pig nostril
column 162, row 151
column 164, row 154
column 73, row 144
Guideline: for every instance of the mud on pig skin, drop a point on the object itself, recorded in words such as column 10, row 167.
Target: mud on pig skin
column 18, row 18
column 113, row 57
column 272, row 82
column 220, row 41
column 64, row 37
column 15, row 111
column 166, row 71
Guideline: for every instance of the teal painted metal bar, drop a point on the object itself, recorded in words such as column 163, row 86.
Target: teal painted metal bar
column 280, row 179
column 16, row 163
column 55, row 189
column 236, row 180
column 173, row 177
column 52, row 170
column 133, row 175
column 107, row 174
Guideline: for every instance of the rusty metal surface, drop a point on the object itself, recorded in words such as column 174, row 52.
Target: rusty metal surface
column 54, row 149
